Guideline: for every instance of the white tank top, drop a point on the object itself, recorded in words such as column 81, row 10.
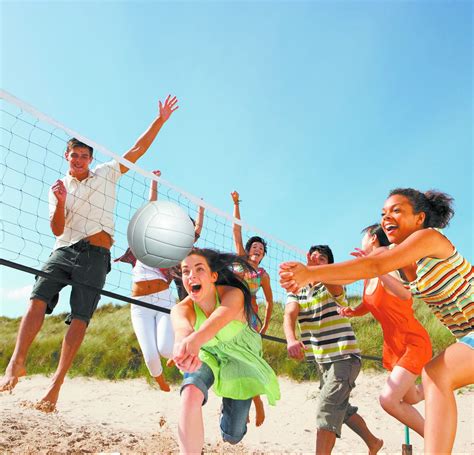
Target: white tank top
column 142, row 272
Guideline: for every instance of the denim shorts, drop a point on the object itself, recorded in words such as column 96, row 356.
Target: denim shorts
column 337, row 381
column 234, row 413
column 468, row 340
column 83, row 263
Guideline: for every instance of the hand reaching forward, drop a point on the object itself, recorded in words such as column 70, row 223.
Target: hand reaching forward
column 346, row 312
column 358, row 253
column 168, row 108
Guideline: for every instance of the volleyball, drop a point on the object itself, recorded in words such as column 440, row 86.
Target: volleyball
column 160, row 234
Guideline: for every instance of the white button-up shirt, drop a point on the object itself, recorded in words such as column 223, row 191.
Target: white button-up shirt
column 89, row 204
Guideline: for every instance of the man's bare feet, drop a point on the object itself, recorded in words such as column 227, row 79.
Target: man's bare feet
column 376, row 447
column 161, row 381
column 259, row 411
column 12, row 373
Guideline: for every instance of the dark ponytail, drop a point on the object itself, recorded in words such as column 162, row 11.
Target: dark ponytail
column 437, row 206
column 223, row 264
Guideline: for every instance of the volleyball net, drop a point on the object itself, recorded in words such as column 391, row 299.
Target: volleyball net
column 32, row 159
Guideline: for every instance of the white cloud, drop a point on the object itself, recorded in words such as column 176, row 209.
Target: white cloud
column 16, row 293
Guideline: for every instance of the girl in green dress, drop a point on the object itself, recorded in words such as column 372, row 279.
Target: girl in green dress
column 216, row 345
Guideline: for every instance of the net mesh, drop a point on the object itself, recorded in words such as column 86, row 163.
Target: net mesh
column 32, row 159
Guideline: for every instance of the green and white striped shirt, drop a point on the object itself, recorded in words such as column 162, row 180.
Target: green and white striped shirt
column 327, row 336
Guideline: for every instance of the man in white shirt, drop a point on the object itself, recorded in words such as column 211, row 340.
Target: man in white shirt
column 81, row 209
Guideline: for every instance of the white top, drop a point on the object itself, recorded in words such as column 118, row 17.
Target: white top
column 89, row 204
column 142, row 272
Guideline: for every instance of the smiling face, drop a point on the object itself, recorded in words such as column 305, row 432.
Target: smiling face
column 256, row 252
column 79, row 159
column 398, row 219
column 198, row 278
column 317, row 258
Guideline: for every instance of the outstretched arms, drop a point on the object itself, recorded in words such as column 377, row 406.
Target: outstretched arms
column 188, row 342
column 422, row 243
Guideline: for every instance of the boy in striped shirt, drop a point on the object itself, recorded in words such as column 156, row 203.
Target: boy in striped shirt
column 327, row 339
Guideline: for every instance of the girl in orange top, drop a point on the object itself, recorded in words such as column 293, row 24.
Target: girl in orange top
column 406, row 346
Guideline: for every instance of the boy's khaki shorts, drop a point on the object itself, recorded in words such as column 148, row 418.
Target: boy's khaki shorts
column 337, row 381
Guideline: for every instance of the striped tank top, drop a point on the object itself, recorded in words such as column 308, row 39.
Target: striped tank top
column 447, row 287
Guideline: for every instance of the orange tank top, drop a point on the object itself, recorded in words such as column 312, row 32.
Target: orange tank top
column 399, row 326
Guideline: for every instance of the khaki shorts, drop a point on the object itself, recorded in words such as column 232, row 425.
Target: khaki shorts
column 337, row 381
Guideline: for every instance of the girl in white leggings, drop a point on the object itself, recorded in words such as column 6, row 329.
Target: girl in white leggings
column 152, row 327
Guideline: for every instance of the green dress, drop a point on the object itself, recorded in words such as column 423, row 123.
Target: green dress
column 235, row 357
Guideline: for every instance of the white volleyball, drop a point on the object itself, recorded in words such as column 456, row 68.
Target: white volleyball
column 160, row 234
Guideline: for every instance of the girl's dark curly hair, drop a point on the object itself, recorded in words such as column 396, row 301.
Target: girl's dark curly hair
column 437, row 206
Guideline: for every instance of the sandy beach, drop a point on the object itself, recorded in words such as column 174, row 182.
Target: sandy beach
column 133, row 416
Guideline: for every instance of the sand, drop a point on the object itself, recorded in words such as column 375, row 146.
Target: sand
column 133, row 416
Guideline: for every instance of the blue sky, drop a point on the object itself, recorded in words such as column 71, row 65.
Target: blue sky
column 312, row 110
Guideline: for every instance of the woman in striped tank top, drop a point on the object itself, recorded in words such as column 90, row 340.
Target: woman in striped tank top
column 439, row 276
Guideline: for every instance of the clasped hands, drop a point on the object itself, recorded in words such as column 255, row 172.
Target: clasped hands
column 186, row 354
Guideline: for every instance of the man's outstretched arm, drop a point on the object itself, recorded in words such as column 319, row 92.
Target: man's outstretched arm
column 146, row 139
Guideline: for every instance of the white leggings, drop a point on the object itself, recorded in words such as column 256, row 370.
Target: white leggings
column 154, row 330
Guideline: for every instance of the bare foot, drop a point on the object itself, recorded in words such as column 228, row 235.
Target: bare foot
column 48, row 402
column 161, row 381
column 376, row 447
column 12, row 373
column 259, row 411
column 45, row 406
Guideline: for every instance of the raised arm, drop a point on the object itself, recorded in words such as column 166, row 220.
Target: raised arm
column 294, row 347
column 423, row 243
column 267, row 292
column 146, row 139
column 58, row 200
column 237, row 228
column 199, row 222
column 153, row 196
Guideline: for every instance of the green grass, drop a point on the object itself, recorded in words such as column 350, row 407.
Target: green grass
column 110, row 349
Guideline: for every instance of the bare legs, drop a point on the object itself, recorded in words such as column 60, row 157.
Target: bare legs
column 450, row 370
column 326, row 439
column 29, row 328
column 357, row 424
column 398, row 396
column 30, row 325
column 190, row 424
column 71, row 343
column 161, row 381
column 259, row 411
